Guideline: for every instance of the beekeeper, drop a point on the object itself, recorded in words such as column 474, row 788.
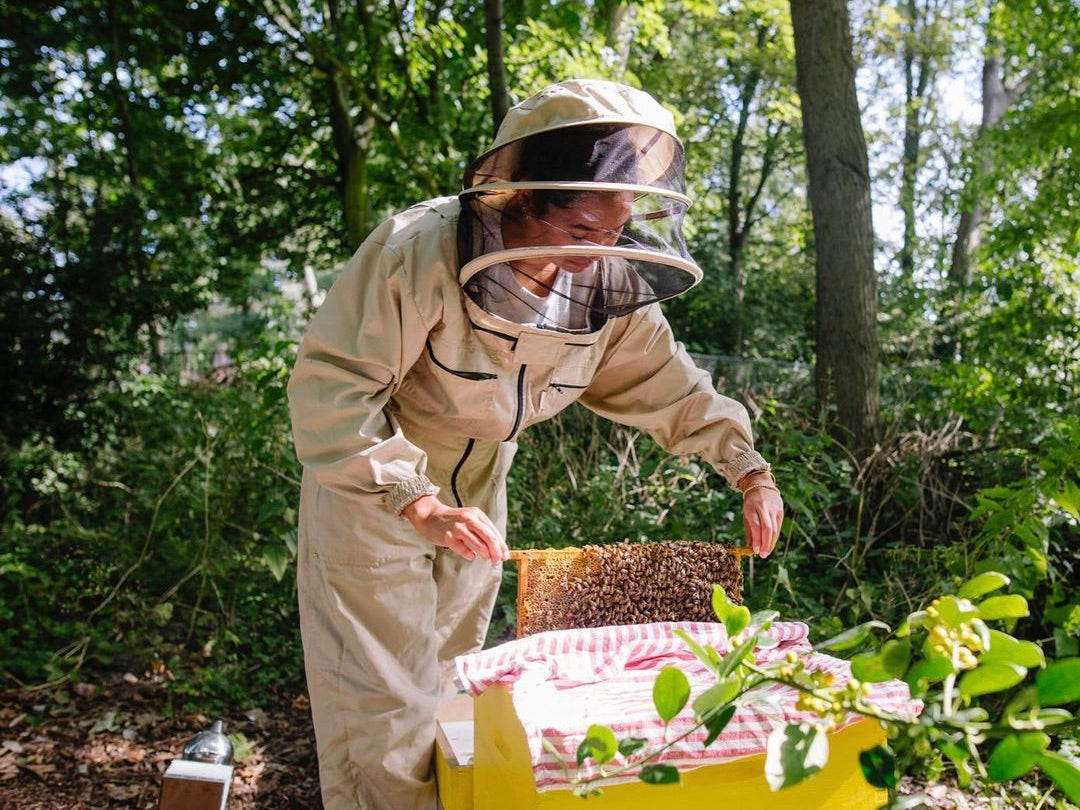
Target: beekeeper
column 455, row 326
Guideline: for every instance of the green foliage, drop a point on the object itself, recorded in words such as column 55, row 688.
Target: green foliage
column 951, row 634
column 144, row 544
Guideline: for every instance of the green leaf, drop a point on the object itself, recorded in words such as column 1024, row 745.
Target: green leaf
column 716, row 723
column 982, row 584
column 659, row 775
column 1063, row 772
column 851, row 638
column 1034, row 741
column 163, row 612
column 1003, row 647
column 243, row 748
column 930, row 670
column 1069, row 499
column 699, row 652
column 599, row 743
column 964, row 773
column 277, row 559
column 736, row 618
column 671, row 690
column 953, row 750
column 737, row 621
column 716, row 695
column 961, row 759
column 737, row 655
column 955, row 612
column 920, row 618
column 764, row 617
column 987, row 678
column 891, row 661
column 879, row 766
column 1010, row 606
column 631, row 745
column 721, row 603
column 1009, row 760
column 794, row 753
column 1059, row 683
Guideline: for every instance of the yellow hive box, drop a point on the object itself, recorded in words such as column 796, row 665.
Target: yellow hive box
column 503, row 779
column 454, row 754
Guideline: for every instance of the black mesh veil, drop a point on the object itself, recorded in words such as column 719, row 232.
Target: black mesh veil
column 571, row 225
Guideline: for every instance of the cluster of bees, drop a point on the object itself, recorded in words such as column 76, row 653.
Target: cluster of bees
column 625, row 583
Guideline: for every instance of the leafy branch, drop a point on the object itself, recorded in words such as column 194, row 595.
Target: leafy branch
column 946, row 653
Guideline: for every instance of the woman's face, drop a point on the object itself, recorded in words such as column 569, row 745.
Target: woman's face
column 593, row 218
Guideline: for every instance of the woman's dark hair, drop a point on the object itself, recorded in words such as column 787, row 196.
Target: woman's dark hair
column 585, row 153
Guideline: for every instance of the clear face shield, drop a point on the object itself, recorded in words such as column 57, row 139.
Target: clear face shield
column 567, row 228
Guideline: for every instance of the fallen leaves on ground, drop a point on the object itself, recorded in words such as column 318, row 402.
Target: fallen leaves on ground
column 86, row 746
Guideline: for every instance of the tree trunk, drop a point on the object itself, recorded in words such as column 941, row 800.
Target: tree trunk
column 618, row 34
column 918, row 69
column 738, row 226
column 846, row 373
column 496, row 64
column 996, row 99
column 351, row 152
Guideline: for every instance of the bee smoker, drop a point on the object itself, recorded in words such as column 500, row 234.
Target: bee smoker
column 200, row 778
column 210, row 746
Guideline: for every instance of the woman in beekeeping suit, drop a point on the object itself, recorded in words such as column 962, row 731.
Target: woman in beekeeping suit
column 455, row 326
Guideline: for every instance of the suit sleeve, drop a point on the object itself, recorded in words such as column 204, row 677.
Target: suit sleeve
column 367, row 334
column 648, row 380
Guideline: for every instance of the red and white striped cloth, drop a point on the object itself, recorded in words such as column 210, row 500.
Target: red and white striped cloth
column 563, row 681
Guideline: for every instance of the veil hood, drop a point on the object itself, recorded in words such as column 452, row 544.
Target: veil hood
column 577, row 146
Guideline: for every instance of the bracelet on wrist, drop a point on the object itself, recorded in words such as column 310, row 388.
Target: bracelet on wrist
column 753, row 474
column 752, row 487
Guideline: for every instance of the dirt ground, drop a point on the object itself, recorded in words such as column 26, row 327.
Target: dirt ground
column 88, row 746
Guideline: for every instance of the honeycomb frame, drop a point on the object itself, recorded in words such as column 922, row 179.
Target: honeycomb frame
column 623, row 583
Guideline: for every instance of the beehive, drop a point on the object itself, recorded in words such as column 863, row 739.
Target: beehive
column 623, row 583
column 503, row 777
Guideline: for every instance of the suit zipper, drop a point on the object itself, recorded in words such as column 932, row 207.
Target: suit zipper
column 457, row 469
column 476, row 376
column 520, row 404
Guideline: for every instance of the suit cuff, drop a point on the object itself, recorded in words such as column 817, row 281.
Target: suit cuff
column 742, row 465
column 408, row 491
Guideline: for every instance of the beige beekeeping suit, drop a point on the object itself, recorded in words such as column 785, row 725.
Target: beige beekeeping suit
column 406, row 385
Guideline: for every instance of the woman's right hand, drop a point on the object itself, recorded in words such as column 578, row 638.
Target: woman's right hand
column 467, row 531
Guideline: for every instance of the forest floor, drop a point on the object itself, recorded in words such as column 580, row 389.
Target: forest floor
column 89, row 746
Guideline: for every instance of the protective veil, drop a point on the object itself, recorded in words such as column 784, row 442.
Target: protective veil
column 569, row 150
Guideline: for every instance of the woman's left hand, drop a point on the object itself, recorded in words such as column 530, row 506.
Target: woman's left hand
column 763, row 512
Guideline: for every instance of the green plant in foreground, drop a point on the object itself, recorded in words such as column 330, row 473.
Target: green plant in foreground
column 947, row 654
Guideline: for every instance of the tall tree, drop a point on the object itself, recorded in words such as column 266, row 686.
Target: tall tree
column 743, row 198
column 921, row 55
column 744, row 157
column 999, row 93
column 846, row 373
column 496, row 62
